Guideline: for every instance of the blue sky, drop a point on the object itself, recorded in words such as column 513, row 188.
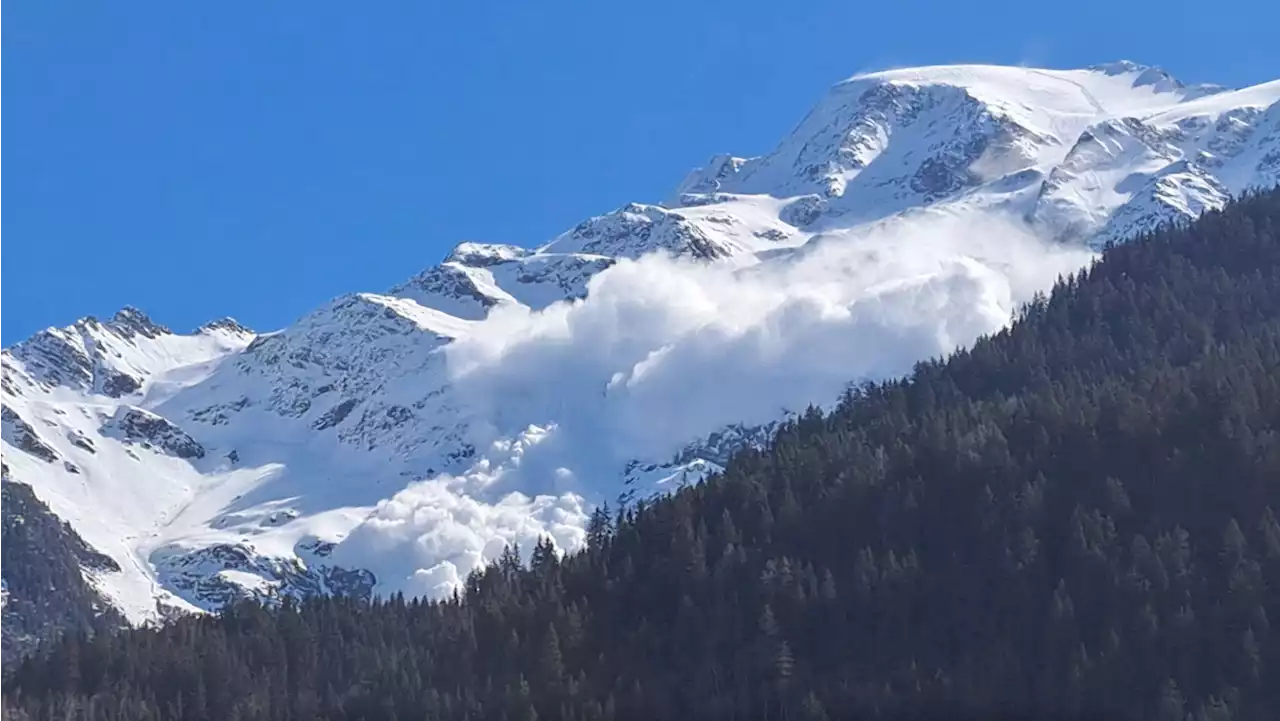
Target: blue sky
column 207, row 159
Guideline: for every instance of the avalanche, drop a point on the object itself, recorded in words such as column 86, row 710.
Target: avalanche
column 394, row 441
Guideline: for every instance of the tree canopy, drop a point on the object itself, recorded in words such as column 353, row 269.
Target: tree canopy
column 1076, row 518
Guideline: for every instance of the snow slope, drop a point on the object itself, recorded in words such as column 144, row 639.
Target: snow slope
column 395, row 441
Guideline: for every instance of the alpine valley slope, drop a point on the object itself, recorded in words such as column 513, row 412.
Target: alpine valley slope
column 395, row 441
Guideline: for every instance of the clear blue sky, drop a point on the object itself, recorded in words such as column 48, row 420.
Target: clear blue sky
column 255, row 159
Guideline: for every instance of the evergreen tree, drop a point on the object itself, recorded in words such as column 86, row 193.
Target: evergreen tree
column 1073, row 519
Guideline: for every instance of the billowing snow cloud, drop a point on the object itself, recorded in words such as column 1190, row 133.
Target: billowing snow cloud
column 664, row 351
column 425, row 539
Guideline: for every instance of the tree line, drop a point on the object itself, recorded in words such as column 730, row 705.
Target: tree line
column 1076, row 518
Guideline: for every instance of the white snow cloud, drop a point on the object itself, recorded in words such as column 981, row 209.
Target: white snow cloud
column 665, row 351
column 425, row 539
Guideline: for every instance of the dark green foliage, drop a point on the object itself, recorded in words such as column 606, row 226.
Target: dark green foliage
column 1075, row 519
column 45, row 588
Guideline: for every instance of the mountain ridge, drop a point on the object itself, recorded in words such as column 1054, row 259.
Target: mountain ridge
column 1074, row 518
column 364, row 431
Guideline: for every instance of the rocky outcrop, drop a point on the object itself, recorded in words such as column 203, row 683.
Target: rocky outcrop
column 803, row 211
column 130, row 322
column 366, row 403
column 22, row 436
column 638, row 229
column 88, row 355
column 146, row 429
column 214, row 576
column 454, row 288
column 483, row 255
column 334, row 415
column 117, row 384
column 59, row 356
column 226, row 325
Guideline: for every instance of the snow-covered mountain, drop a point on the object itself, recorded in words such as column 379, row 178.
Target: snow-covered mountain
column 397, row 440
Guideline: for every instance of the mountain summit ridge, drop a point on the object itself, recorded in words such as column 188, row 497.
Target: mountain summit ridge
column 357, row 449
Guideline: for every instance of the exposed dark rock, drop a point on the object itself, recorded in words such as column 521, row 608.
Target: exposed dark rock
column 948, row 171
column 335, row 415
column 771, row 234
column 450, row 281
column 707, row 180
column 198, row 574
column 399, row 414
column 116, row 384
column 22, row 436
column 693, row 200
column 482, row 255
column 227, row 324
column 82, row 355
column 803, row 210
column 81, row 441
column 149, row 430
column 57, row 358
column 637, row 229
column 130, row 322
column 217, row 415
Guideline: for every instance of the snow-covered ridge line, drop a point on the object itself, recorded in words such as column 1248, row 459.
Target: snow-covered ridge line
column 396, row 440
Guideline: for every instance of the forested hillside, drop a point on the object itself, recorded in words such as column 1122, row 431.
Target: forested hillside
column 1074, row 519
column 45, row 591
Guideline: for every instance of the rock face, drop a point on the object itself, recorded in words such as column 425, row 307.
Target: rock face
column 90, row 355
column 224, row 573
column 19, row 434
column 639, row 229
column 146, row 429
column 1095, row 154
column 351, row 453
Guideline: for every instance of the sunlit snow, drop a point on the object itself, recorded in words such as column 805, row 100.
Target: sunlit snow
column 497, row 397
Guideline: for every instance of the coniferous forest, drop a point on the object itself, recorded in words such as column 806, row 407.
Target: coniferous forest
column 1077, row 518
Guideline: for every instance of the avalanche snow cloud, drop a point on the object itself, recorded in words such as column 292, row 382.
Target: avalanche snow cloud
column 496, row 396
column 664, row 350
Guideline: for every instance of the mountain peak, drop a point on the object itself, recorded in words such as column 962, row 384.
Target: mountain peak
column 636, row 229
column 484, row 254
column 1120, row 67
column 450, row 406
column 129, row 321
column 226, row 324
column 1156, row 78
